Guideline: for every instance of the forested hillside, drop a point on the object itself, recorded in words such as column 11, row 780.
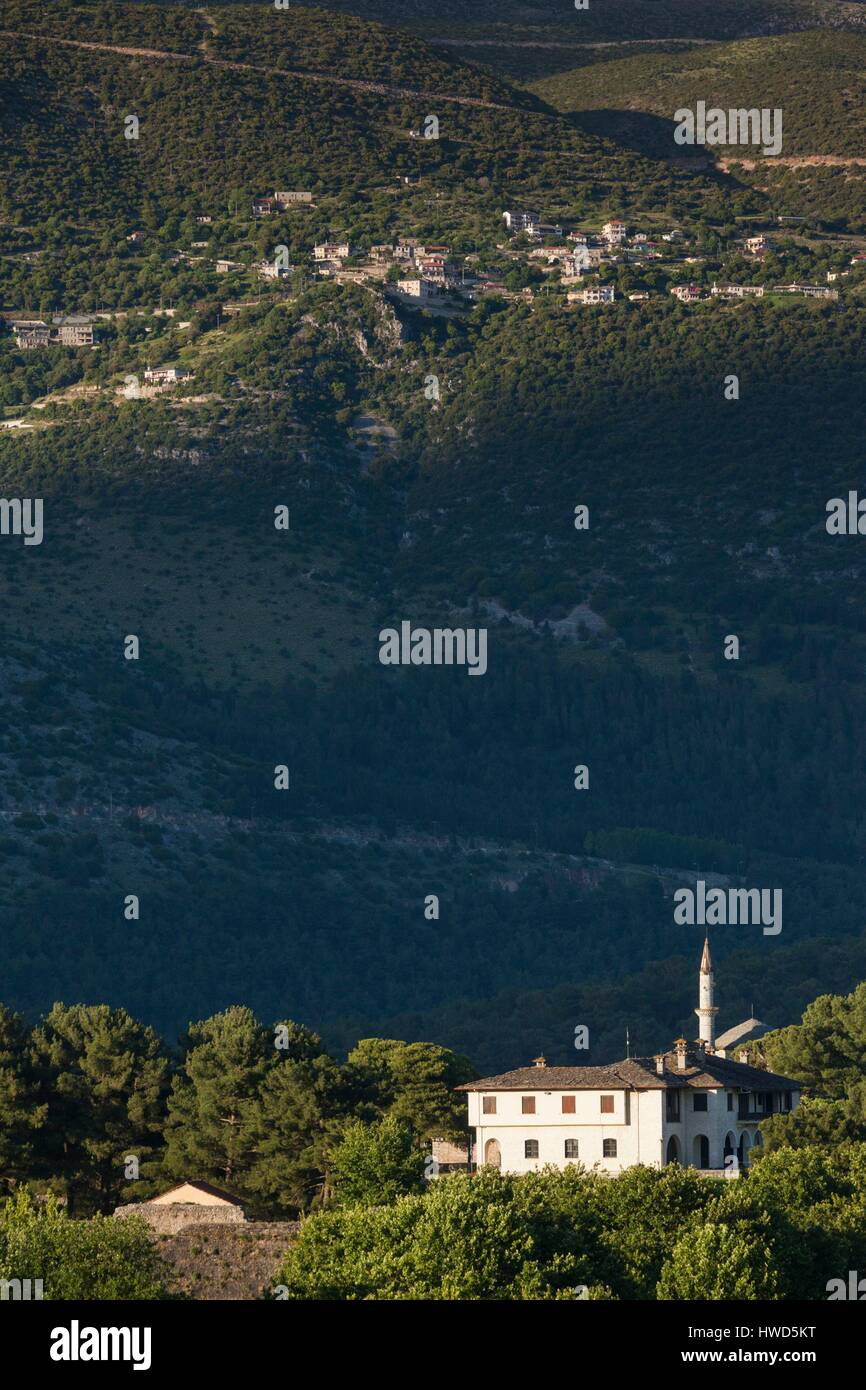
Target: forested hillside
column 608, row 19
column 155, row 777
column 816, row 79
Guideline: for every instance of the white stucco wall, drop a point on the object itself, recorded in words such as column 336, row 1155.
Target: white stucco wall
column 630, row 1124
column 638, row 1124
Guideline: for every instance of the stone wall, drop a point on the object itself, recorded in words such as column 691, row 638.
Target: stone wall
column 225, row 1262
column 166, row 1219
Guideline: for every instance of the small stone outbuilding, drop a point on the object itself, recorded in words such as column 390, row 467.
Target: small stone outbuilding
column 188, row 1204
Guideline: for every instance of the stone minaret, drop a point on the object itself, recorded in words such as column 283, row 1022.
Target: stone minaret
column 706, row 1010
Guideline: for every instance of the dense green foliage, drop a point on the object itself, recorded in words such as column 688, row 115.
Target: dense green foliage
column 94, row 1107
column 828, row 1052
column 608, row 19
column 101, row 1259
column 101, row 1079
column 814, row 79
column 376, row 1163
column 782, row 1232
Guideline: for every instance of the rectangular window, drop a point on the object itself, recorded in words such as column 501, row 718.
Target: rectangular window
column 568, row 1106
column 608, row 1148
column 571, row 1148
column 607, row 1105
column 672, row 1106
column 488, row 1105
column 730, row 1100
column 530, row 1148
column 527, row 1105
column 700, row 1102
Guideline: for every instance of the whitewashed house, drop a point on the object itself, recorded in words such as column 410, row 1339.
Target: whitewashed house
column 687, row 294
column 405, row 249
column 272, row 270
column 594, row 294
column 729, row 291
column 583, row 258
column 165, row 376
column 331, row 251
column 692, row 1105
column 614, row 231
column 810, row 291
column 522, row 222
column 418, row 289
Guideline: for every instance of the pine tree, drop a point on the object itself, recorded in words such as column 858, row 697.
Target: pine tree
column 214, row 1110
column 103, row 1077
column 22, row 1118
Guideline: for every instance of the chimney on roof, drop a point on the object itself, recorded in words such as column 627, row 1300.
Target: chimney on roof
column 660, row 1064
column 681, row 1046
column 539, row 1062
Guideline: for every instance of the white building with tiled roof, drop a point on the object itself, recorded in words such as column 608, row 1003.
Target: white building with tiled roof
column 692, row 1105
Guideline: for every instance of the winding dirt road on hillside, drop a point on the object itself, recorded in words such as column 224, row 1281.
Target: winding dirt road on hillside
column 551, row 43
column 211, row 824
column 793, row 161
column 164, row 55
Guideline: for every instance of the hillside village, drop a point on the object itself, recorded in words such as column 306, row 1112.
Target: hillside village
column 580, row 266
column 577, row 267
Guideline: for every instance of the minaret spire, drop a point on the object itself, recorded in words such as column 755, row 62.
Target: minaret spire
column 706, row 1010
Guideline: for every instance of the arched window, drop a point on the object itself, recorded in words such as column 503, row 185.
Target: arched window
column 608, row 1148
column 701, row 1151
column 673, row 1153
column 493, row 1153
column 571, row 1148
column 530, row 1148
column 743, row 1149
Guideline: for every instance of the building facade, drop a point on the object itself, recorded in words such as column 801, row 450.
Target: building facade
column 73, row 331
column 331, row 251
column 595, row 294
column 692, row 1105
column 522, row 222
